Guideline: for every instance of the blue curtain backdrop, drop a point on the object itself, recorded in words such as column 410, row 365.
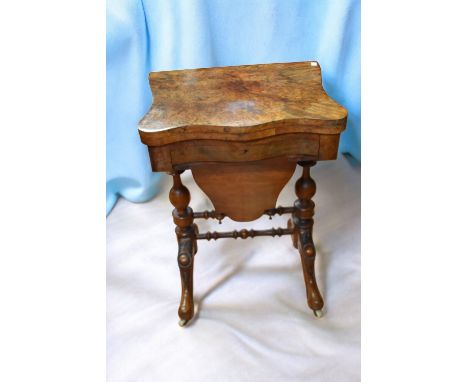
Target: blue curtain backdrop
column 150, row 35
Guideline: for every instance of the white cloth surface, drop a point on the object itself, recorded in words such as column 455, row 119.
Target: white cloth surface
column 252, row 322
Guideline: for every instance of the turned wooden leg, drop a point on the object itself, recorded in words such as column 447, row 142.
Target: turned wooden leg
column 303, row 221
column 186, row 238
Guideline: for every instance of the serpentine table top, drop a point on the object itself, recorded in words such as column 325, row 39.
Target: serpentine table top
column 241, row 104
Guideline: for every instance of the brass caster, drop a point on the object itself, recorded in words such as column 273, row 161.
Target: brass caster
column 318, row 313
column 182, row 323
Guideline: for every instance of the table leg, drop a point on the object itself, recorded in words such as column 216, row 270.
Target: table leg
column 303, row 221
column 186, row 238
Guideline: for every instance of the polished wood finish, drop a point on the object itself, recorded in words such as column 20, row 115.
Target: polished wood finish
column 209, row 215
column 302, row 224
column 243, row 191
column 296, row 147
column 186, row 233
column 239, row 103
column 271, row 147
column 241, row 130
column 244, row 233
column 220, row 216
column 239, row 114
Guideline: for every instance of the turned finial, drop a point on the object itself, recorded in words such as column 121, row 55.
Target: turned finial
column 179, row 195
column 305, row 185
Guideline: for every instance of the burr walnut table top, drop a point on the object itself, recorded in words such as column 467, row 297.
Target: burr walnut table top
column 239, row 103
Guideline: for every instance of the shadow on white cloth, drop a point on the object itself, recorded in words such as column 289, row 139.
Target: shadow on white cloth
column 252, row 322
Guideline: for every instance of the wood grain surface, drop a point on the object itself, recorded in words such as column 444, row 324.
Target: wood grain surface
column 239, row 103
column 243, row 191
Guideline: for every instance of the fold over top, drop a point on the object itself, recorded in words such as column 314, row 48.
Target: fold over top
column 239, row 103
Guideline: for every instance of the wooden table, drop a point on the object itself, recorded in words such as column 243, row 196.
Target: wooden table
column 241, row 130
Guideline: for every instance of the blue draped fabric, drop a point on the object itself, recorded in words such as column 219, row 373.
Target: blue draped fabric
column 149, row 35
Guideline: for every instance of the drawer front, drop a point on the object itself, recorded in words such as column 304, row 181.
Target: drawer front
column 222, row 151
column 312, row 146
